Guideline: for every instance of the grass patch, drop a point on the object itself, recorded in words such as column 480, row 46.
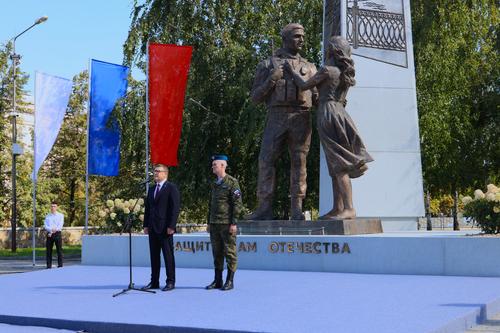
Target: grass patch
column 69, row 250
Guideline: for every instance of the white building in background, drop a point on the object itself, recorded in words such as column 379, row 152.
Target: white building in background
column 383, row 105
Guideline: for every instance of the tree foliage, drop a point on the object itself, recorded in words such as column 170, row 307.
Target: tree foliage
column 24, row 162
column 457, row 67
column 229, row 39
column 458, row 71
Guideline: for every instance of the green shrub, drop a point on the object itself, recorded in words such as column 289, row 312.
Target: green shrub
column 484, row 209
column 117, row 212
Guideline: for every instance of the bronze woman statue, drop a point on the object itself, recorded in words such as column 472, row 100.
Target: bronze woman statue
column 345, row 152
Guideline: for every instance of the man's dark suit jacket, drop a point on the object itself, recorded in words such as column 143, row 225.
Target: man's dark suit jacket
column 162, row 212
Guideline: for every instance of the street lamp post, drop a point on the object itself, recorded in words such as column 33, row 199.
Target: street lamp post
column 15, row 147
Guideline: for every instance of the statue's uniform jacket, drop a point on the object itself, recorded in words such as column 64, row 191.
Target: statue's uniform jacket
column 288, row 123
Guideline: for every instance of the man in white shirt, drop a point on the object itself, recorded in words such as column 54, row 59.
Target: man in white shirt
column 53, row 225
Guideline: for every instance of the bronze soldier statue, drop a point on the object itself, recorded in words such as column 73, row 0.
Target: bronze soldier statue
column 288, row 123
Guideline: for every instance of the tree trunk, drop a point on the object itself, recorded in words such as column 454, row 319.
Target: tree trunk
column 456, row 226
column 428, row 211
column 72, row 190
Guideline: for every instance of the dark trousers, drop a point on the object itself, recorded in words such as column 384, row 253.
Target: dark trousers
column 57, row 239
column 161, row 243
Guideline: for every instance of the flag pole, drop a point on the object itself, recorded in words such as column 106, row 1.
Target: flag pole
column 87, row 153
column 34, row 182
column 147, row 116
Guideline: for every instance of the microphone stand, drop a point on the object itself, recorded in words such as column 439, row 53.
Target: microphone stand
column 128, row 226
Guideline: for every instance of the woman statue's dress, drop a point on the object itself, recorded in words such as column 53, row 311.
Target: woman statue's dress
column 342, row 144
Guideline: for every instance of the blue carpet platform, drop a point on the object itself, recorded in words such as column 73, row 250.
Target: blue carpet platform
column 80, row 298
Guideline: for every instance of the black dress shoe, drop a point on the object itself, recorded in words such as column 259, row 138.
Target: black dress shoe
column 168, row 287
column 151, row 285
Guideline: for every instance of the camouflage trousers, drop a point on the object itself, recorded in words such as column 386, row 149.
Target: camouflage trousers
column 223, row 246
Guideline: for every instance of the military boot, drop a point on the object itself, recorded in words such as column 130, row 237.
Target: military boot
column 296, row 205
column 263, row 212
column 217, row 282
column 229, row 281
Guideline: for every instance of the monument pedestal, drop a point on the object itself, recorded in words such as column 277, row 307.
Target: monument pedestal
column 318, row 227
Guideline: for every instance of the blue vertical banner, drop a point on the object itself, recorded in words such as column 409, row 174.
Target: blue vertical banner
column 108, row 84
column 51, row 101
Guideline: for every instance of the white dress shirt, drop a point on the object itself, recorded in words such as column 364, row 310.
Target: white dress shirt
column 53, row 222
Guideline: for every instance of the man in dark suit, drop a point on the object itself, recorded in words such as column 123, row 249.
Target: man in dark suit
column 160, row 217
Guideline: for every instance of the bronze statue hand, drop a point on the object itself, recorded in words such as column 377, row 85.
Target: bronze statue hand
column 288, row 67
column 277, row 73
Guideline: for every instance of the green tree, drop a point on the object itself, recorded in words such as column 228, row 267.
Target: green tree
column 457, row 72
column 23, row 162
column 229, row 39
column 5, row 107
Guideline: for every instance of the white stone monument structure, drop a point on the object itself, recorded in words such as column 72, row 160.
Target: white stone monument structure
column 384, row 107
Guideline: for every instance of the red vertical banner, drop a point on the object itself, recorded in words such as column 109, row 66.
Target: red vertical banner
column 167, row 78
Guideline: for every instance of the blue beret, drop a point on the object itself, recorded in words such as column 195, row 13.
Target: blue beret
column 220, row 157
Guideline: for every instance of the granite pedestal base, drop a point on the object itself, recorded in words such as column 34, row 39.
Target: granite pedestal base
column 319, row 227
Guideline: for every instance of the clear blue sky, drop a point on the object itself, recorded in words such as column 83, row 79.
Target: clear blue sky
column 76, row 31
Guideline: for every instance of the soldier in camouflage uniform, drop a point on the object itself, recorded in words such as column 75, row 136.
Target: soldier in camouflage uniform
column 224, row 207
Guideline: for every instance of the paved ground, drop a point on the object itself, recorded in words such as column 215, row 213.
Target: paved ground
column 22, row 265
column 11, row 266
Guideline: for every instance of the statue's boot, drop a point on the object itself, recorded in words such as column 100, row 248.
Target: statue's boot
column 217, row 282
column 229, row 281
column 263, row 212
column 296, row 205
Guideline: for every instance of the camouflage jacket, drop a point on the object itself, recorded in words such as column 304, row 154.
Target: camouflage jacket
column 225, row 201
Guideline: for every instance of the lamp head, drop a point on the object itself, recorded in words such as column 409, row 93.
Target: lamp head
column 41, row 19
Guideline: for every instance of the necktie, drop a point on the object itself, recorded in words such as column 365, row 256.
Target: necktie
column 157, row 190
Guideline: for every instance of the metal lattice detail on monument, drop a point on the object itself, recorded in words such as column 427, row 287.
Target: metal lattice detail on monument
column 375, row 29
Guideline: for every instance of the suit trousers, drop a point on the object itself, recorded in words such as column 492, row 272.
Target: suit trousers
column 161, row 243
column 57, row 239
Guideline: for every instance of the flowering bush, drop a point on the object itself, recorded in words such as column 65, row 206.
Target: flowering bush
column 118, row 211
column 484, row 209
